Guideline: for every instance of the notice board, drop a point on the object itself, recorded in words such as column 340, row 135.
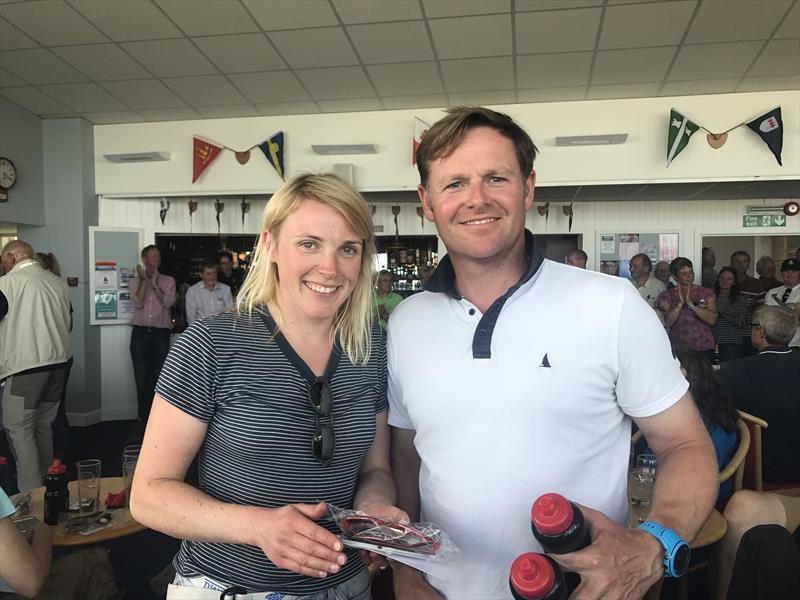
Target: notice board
column 113, row 256
column 617, row 249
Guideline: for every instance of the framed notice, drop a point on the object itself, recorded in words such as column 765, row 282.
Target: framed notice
column 113, row 255
column 617, row 249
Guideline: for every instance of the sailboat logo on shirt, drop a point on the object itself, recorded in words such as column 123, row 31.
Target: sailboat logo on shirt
column 545, row 362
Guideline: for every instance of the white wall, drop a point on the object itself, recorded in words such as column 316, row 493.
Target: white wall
column 640, row 159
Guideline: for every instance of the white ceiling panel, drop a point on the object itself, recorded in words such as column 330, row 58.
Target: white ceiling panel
column 12, row 38
column 270, row 87
column 84, row 97
column 704, row 86
column 200, row 17
column 495, row 97
column 144, row 94
column 734, row 20
column 352, row 105
column 553, row 70
column 102, row 62
column 290, row 14
column 529, row 5
column 791, row 25
column 552, row 94
column 638, row 25
column 486, row 35
column 713, row 61
column 406, row 79
column 8, row 79
column 391, row 42
column 478, row 74
column 110, row 118
column 207, row 90
column 33, row 100
column 557, row 31
column 170, row 114
column 306, row 48
column 39, row 66
column 336, row 84
column 127, row 20
column 416, row 101
column 780, row 57
column 243, row 53
column 170, row 58
column 228, row 112
column 634, row 90
column 358, row 11
column 52, row 23
column 288, row 108
column 766, row 84
column 459, row 8
column 631, row 66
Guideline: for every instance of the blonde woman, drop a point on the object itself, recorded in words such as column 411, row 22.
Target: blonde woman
column 284, row 402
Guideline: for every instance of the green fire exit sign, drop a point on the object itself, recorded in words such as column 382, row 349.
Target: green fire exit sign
column 763, row 221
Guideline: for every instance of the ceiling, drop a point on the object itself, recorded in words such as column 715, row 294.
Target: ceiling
column 127, row 61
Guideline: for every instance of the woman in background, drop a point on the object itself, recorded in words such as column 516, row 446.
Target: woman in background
column 733, row 316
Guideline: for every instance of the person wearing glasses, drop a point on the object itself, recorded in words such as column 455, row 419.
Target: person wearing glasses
column 283, row 400
column 532, row 389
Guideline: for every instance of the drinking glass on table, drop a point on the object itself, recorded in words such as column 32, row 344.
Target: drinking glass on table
column 89, row 484
column 130, row 455
column 640, row 487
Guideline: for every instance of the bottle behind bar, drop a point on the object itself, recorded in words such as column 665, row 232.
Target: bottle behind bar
column 56, row 495
column 537, row 577
column 715, row 362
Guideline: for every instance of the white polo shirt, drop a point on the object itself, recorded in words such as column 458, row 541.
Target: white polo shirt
column 201, row 302
column 772, row 299
column 532, row 397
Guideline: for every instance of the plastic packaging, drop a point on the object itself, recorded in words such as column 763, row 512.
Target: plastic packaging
column 56, row 495
column 535, row 576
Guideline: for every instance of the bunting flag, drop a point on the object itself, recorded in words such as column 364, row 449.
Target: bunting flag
column 395, row 212
column 219, row 207
column 192, row 209
column 273, row 150
column 420, row 127
column 421, row 215
column 204, row 153
column 164, row 209
column 679, row 131
column 769, row 127
column 544, row 211
column 568, row 212
column 245, row 205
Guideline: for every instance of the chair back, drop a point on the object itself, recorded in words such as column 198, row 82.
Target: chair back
column 753, row 465
column 735, row 466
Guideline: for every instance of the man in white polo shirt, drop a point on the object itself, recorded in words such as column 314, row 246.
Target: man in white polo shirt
column 788, row 294
column 531, row 374
column 207, row 296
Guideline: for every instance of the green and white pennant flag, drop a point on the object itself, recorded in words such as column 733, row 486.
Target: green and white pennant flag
column 680, row 130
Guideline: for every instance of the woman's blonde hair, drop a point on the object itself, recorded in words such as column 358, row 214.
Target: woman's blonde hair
column 353, row 321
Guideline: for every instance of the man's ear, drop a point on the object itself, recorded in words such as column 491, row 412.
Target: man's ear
column 530, row 185
column 425, row 200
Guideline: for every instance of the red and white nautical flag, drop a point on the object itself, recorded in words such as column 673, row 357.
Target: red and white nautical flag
column 204, row 153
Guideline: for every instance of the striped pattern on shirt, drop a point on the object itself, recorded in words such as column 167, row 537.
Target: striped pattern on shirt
column 252, row 390
column 726, row 332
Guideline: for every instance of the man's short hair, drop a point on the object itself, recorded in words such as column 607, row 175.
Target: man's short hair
column 578, row 253
column 208, row 264
column 147, row 249
column 679, row 263
column 739, row 253
column 446, row 134
column 779, row 324
column 383, row 272
column 224, row 253
column 763, row 261
column 18, row 249
column 645, row 261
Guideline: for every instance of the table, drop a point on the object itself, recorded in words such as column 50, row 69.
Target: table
column 122, row 522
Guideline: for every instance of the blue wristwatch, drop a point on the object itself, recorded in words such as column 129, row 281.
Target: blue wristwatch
column 676, row 550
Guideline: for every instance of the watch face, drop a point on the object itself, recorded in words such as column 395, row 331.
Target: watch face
column 8, row 173
column 681, row 561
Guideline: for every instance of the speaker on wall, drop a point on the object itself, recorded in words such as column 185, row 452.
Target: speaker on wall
column 346, row 171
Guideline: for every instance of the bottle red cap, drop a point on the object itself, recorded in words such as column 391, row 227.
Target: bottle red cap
column 552, row 514
column 3, row 460
column 532, row 575
column 56, row 468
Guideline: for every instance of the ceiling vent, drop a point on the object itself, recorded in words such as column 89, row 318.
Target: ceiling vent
column 592, row 140
column 137, row 157
column 328, row 149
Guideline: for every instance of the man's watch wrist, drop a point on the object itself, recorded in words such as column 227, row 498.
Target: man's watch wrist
column 676, row 550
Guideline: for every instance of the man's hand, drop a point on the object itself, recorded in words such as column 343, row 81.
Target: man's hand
column 380, row 510
column 620, row 563
column 409, row 584
column 140, row 272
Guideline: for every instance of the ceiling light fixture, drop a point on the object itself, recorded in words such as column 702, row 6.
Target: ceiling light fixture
column 328, row 149
column 592, row 140
column 137, row 157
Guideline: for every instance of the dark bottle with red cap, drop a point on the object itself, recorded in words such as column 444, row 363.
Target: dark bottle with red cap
column 537, row 577
column 559, row 525
column 56, row 495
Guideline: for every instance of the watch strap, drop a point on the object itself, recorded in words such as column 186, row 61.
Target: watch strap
column 671, row 543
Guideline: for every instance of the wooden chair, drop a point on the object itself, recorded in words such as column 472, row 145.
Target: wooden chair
column 735, row 466
column 753, row 465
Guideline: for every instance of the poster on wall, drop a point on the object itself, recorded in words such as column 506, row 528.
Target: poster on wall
column 667, row 246
column 105, row 305
column 124, row 306
column 105, row 276
column 609, row 267
column 617, row 250
column 628, row 245
column 607, row 244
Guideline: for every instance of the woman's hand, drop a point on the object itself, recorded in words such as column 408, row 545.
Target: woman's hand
column 292, row 540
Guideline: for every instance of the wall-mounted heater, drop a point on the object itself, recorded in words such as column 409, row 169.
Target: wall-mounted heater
column 137, row 157
column 329, row 149
column 592, row 140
